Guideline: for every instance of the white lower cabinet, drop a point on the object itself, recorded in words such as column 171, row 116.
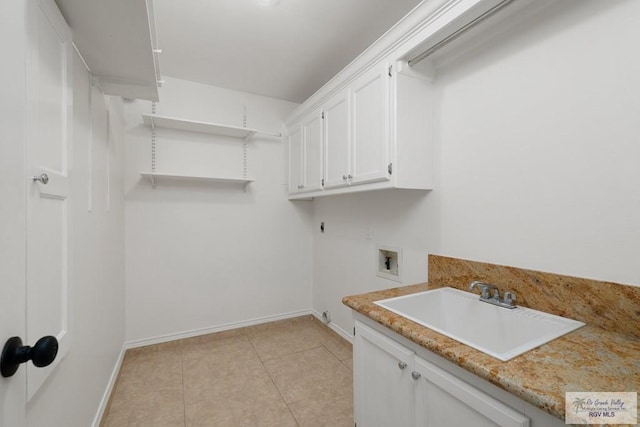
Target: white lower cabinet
column 393, row 386
column 445, row 400
column 383, row 388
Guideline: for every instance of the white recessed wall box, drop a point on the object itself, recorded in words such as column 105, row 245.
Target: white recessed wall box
column 389, row 262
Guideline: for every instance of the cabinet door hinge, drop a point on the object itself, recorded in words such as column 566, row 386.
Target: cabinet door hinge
column 390, row 69
column 390, row 168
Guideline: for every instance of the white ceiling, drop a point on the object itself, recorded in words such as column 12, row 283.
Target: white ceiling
column 288, row 51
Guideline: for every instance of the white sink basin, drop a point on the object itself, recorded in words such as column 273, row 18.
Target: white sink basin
column 499, row 332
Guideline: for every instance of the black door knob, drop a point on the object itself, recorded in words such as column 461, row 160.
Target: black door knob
column 14, row 353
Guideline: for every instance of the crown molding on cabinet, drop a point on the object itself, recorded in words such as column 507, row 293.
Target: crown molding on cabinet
column 426, row 25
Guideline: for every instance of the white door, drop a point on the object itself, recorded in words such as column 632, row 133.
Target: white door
column 49, row 116
column 312, row 137
column 370, row 112
column 337, row 141
column 383, row 388
column 35, row 123
column 12, row 185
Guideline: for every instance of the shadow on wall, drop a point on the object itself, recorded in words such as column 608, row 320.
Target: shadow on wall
column 511, row 29
column 403, row 218
column 191, row 192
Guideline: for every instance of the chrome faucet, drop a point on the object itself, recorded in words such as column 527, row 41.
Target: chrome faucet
column 506, row 302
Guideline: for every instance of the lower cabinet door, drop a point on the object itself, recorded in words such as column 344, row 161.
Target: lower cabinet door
column 445, row 400
column 383, row 389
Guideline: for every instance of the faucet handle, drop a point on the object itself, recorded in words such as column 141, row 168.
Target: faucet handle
column 509, row 298
column 484, row 288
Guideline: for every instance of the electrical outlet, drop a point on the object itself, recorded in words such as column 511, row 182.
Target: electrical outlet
column 368, row 233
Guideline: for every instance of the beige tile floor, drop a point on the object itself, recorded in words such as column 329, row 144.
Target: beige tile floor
column 294, row 372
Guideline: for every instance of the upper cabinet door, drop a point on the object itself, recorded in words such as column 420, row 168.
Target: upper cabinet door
column 337, row 140
column 312, row 137
column 295, row 160
column 370, row 110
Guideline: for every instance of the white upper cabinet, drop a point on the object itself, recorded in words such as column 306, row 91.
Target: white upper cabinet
column 312, row 151
column 305, row 154
column 296, row 159
column 337, row 142
column 370, row 124
column 375, row 134
column 411, row 127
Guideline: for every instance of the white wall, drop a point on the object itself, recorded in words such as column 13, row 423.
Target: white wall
column 204, row 256
column 537, row 156
column 72, row 394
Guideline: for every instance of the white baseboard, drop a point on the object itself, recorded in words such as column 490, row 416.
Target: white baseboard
column 213, row 329
column 335, row 328
column 107, row 393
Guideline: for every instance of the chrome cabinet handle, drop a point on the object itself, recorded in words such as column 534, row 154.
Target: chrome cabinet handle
column 415, row 375
column 350, row 176
column 344, row 177
column 44, row 178
column 402, row 365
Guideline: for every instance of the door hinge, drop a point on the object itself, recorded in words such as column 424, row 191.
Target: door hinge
column 390, row 69
column 390, row 168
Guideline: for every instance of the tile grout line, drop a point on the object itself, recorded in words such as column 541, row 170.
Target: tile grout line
column 184, row 399
column 294, row 352
column 318, row 345
column 273, row 382
column 336, row 356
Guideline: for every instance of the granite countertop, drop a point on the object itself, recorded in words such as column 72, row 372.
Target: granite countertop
column 590, row 358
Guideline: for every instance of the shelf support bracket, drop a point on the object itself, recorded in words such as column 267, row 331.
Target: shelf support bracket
column 272, row 135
